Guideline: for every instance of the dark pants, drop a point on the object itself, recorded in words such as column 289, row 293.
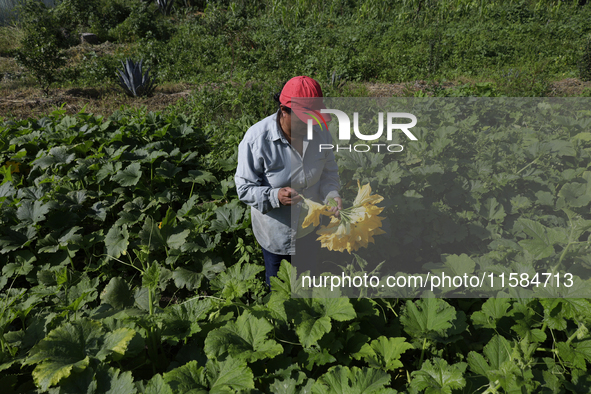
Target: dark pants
column 307, row 250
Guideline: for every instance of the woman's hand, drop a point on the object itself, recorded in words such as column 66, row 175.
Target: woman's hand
column 288, row 196
column 339, row 206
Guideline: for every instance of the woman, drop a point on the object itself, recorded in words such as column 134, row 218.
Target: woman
column 277, row 163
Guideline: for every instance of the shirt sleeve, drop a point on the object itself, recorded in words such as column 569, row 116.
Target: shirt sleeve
column 249, row 180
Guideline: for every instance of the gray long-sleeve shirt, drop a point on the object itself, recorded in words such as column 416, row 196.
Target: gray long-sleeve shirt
column 266, row 163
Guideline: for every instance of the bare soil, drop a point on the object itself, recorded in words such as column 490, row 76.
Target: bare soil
column 17, row 100
column 568, row 87
column 30, row 102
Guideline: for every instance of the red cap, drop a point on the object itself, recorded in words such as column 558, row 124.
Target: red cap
column 307, row 99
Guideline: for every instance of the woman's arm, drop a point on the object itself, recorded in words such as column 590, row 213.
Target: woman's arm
column 250, row 179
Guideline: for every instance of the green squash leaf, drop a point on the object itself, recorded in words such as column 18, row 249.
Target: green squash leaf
column 190, row 277
column 439, row 377
column 130, row 176
column 228, row 218
column 342, row 380
column 492, row 311
column 157, row 385
column 543, row 238
column 216, row 377
column 116, row 241
column 168, row 170
column 310, row 330
column 117, row 294
column 32, row 212
column 427, row 318
column 115, row 343
column 246, row 339
column 113, row 381
column 491, row 210
column 576, row 194
column 65, row 350
column 384, row 353
column 495, row 363
column 201, row 177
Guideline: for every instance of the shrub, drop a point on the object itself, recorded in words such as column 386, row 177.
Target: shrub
column 95, row 16
column 98, row 69
column 141, row 22
column 74, row 16
column 585, row 63
column 40, row 50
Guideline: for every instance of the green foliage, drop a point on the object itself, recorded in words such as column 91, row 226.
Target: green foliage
column 344, row 380
column 123, row 237
column 428, row 318
column 142, row 22
column 465, row 193
column 110, row 19
column 246, row 339
column 40, row 51
column 9, row 10
column 226, row 376
column 128, row 264
column 384, row 352
column 165, row 6
column 402, row 41
column 96, row 16
column 439, row 377
column 74, row 16
column 585, row 62
column 71, row 348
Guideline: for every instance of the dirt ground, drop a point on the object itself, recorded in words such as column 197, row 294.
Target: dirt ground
column 568, row 87
column 18, row 101
column 30, row 102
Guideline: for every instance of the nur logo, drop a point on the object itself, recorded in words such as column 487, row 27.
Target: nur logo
column 345, row 129
column 316, row 116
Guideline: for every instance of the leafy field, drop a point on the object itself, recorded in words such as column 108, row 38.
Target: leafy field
column 129, row 266
column 492, row 185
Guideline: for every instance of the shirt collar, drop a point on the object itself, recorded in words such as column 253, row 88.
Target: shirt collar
column 277, row 134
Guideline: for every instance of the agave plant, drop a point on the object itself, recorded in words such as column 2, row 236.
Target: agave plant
column 133, row 82
column 165, row 6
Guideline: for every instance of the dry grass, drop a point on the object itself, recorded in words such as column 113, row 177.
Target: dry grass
column 17, row 100
column 175, row 88
column 8, row 65
column 77, row 53
column 568, row 87
column 10, row 39
column 22, row 99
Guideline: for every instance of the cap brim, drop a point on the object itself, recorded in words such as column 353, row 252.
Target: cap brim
column 309, row 109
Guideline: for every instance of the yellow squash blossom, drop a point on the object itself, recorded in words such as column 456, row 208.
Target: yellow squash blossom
column 314, row 211
column 364, row 196
column 356, row 226
column 360, row 213
column 13, row 165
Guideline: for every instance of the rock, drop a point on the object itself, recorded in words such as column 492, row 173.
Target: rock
column 65, row 33
column 89, row 38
